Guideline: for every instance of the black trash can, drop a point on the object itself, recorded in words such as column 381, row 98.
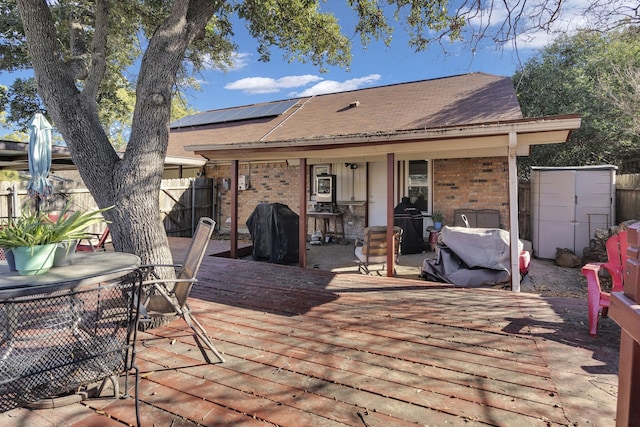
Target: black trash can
column 274, row 233
column 408, row 217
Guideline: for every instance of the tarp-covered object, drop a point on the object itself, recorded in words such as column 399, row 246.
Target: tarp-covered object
column 471, row 257
column 274, row 232
column 408, row 217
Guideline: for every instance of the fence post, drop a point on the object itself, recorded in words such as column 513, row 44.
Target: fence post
column 625, row 310
column 192, row 183
column 13, row 203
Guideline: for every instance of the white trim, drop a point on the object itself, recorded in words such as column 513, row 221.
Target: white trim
column 513, row 213
column 184, row 161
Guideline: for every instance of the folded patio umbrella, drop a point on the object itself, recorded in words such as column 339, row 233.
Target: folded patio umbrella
column 39, row 186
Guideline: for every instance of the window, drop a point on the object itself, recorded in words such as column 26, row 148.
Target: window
column 419, row 184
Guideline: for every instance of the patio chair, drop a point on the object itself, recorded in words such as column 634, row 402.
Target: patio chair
column 598, row 300
column 373, row 249
column 168, row 297
column 99, row 245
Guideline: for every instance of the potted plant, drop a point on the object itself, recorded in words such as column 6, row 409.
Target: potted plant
column 34, row 237
column 437, row 218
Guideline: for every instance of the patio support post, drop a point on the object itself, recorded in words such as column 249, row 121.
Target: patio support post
column 513, row 212
column 390, row 193
column 302, row 225
column 233, row 251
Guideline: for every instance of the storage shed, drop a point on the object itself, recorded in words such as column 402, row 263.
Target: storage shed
column 568, row 204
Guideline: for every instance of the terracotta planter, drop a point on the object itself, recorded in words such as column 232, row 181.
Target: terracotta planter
column 33, row 260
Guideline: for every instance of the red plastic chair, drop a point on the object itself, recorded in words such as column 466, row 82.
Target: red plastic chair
column 598, row 300
column 99, row 246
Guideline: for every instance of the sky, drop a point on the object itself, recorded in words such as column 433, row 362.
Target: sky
column 250, row 81
column 253, row 82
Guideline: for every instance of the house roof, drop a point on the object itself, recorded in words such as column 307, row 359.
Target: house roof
column 412, row 112
column 14, row 155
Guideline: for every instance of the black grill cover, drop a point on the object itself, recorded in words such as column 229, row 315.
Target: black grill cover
column 274, row 233
column 408, row 217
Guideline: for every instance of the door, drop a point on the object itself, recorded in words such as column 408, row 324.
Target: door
column 553, row 205
column 567, row 206
column 377, row 197
column 594, row 205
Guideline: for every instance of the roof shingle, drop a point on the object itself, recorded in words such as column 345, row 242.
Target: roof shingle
column 457, row 100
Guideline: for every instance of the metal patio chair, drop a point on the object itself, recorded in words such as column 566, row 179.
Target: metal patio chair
column 99, row 245
column 373, row 249
column 168, row 297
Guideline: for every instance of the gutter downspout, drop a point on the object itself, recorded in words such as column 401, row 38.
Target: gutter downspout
column 513, row 212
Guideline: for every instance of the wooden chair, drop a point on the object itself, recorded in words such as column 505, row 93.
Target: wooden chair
column 100, row 245
column 598, row 300
column 373, row 249
column 168, row 297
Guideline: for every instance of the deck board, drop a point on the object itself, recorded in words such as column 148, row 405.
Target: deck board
column 314, row 348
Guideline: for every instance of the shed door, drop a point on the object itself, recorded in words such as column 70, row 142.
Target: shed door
column 570, row 205
column 556, row 209
column 594, row 201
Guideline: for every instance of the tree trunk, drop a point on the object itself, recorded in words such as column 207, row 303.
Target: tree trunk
column 130, row 184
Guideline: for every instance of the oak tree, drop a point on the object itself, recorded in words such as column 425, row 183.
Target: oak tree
column 595, row 75
column 79, row 51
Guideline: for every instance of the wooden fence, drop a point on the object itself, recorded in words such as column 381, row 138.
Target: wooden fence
column 627, row 197
column 524, row 209
column 182, row 202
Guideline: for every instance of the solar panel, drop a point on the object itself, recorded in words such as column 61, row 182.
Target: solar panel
column 235, row 114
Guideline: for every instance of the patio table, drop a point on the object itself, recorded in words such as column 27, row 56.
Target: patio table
column 326, row 218
column 67, row 328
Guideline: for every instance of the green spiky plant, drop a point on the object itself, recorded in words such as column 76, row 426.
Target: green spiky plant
column 33, row 229
column 437, row 216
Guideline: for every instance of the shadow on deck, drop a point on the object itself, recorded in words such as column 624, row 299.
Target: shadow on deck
column 319, row 348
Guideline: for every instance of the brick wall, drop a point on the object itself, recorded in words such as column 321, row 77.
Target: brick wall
column 268, row 183
column 458, row 184
column 481, row 183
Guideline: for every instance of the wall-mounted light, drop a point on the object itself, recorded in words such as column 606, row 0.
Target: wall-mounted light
column 351, row 165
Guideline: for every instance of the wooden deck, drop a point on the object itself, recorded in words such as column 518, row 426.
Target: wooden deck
column 313, row 348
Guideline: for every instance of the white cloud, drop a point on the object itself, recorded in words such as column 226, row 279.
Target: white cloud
column 331, row 86
column 262, row 85
column 574, row 15
column 240, row 60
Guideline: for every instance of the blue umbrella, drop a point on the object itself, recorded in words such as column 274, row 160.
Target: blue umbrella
column 39, row 186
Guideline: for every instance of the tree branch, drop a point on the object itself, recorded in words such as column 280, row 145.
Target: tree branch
column 98, row 65
column 43, row 47
column 155, row 85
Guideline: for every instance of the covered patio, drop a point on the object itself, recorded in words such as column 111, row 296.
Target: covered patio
column 315, row 348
